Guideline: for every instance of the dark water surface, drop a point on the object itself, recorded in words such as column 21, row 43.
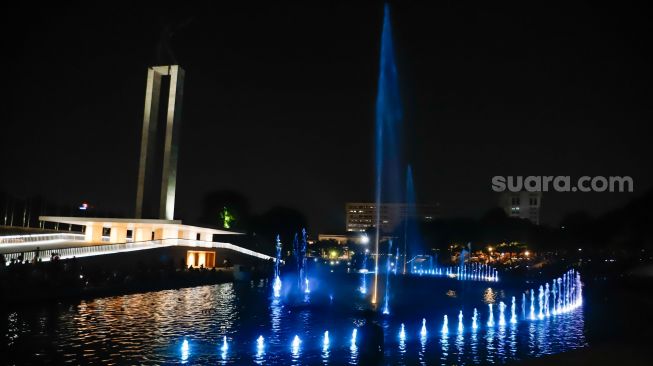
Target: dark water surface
column 150, row 328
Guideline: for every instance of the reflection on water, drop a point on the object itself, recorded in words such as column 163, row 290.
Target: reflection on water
column 238, row 324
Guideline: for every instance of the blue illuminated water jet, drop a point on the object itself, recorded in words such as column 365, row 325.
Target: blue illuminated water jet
column 386, row 308
column 540, row 301
column 276, row 286
column 185, row 350
column 490, row 321
column 475, row 320
column 260, row 346
column 353, row 339
column 325, row 341
column 460, row 322
column 532, row 315
column 445, row 325
column 388, row 117
column 295, row 344
column 502, row 317
column 225, row 347
column 565, row 292
column 513, row 314
column 363, row 288
column 402, row 333
column 423, row 331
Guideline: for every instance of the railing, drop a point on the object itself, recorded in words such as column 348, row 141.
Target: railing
column 48, row 238
column 93, row 250
column 40, row 238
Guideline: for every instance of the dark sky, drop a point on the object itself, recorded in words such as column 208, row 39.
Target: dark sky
column 279, row 101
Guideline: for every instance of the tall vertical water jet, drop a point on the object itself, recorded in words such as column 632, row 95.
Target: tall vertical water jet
column 303, row 273
column 423, row 331
column 540, row 301
column 276, row 286
column 363, row 288
column 445, row 325
column 475, row 320
column 460, row 322
column 386, row 308
column 547, row 312
column 225, row 347
column 532, row 315
column 388, row 118
column 260, row 346
column 396, row 260
column 490, row 321
column 513, row 314
column 555, row 304
column 502, row 316
column 326, row 341
column 523, row 305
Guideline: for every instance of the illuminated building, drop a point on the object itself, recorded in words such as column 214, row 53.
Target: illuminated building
column 361, row 216
column 523, row 205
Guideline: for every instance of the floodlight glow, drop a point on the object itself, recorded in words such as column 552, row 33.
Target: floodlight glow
column 184, row 350
column 295, row 344
column 325, row 342
column 260, row 345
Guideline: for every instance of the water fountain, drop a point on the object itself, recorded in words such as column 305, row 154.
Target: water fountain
column 513, row 314
column 388, row 117
column 565, row 292
column 474, row 320
column 540, row 301
column 460, row 322
column 276, row 286
column 303, row 273
column 363, row 288
column 502, row 317
column 445, row 325
column 260, row 346
column 386, row 309
column 423, row 331
column 224, row 348
column 490, row 321
column 532, row 314
column 467, row 272
column 295, row 345
column 325, row 341
column 185, row 350
column 353, row 338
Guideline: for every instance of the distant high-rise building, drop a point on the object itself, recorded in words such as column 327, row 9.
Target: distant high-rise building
column 523, row 205
column 362, row 215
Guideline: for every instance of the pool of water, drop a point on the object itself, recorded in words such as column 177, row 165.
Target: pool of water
column 190, row 325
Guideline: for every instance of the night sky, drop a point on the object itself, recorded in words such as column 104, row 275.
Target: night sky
column 279, row 101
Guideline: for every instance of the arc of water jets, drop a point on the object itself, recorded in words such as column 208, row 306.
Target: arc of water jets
column 565, row 293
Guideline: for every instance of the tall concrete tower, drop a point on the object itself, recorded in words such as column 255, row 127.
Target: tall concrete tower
column 148, row 171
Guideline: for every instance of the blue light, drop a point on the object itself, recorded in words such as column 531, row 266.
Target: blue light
column 295, row 345
column 325, row 342
column 490, row 322
column 402, row 333
column 185, row 350
column 260, row 346
column 224, row 348
column 423, row 331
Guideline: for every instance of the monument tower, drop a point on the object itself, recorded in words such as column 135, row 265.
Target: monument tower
column 148, row 170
